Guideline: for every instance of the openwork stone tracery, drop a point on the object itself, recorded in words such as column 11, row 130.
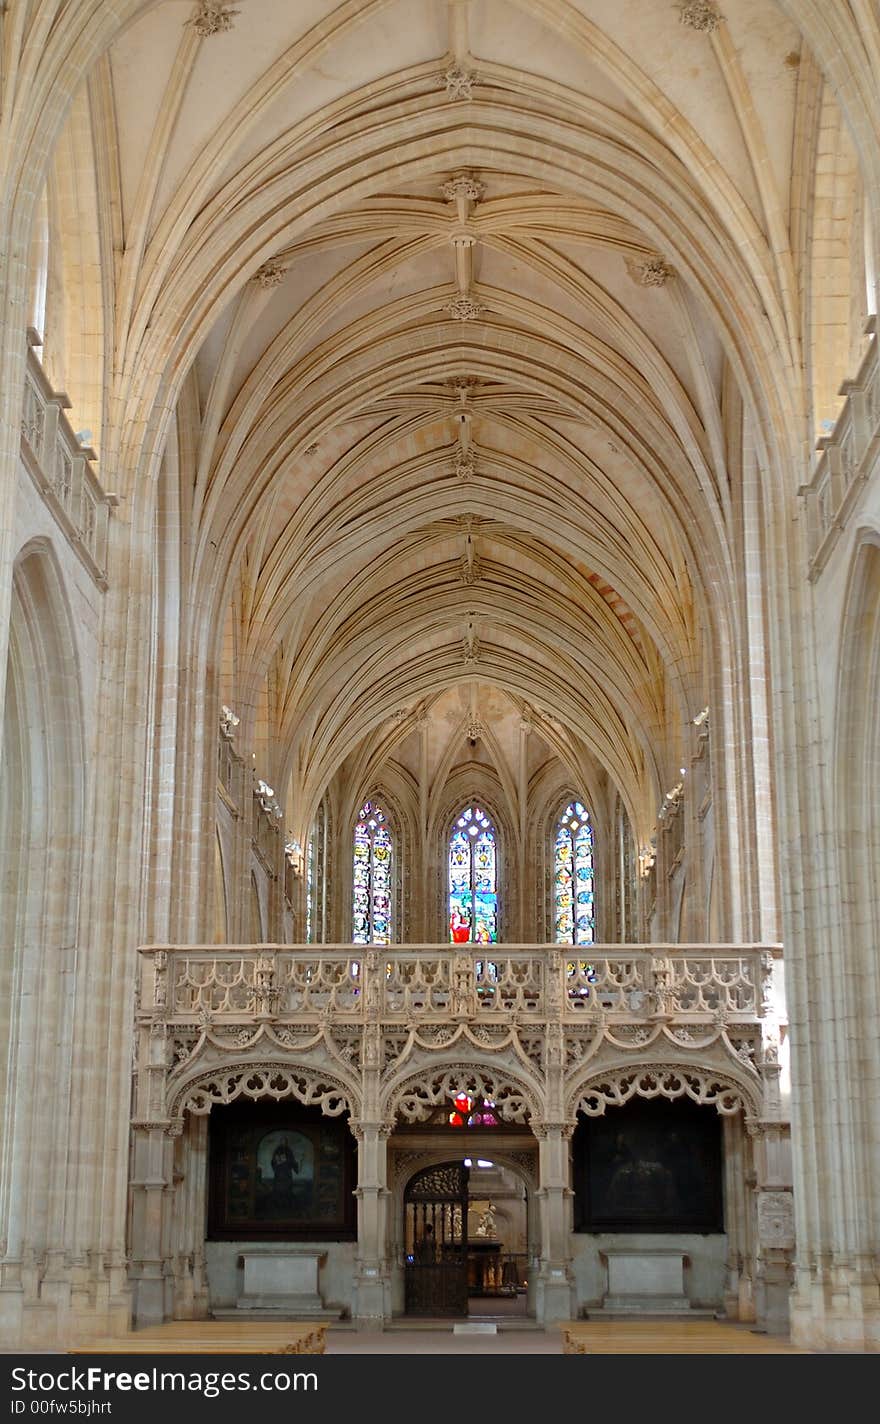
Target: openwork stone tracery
column 348, row 1019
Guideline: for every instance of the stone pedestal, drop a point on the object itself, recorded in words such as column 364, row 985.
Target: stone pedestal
column 646, row 1279
column 284, row 1279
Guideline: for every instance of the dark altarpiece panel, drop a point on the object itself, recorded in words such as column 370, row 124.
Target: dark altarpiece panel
column 651, row 1165
column 280, row 1171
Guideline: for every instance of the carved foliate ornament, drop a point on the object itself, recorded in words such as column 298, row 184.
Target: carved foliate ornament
column 464, row 309
column 212, row 18
column 270, row 275
column 471, row 570
column 700, row 15
column 650, row 271
column 462, row 386
column 458, row 82
column 275, row 1081
column 776, row 1220
column 701, row 1086
column 417, row 1099
column 463, row 185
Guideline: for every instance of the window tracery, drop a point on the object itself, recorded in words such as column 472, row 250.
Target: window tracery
column 371, row 900
column 573, row 892
column 472, row 860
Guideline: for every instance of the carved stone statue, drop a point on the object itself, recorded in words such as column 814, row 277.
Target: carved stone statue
column 486, row 1225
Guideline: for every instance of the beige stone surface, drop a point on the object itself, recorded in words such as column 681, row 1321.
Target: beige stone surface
column 418, row 401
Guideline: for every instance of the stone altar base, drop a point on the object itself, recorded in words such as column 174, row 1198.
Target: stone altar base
column 283, row 1282
column 645, row 1280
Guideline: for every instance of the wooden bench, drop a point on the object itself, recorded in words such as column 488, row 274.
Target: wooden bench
column 215, row 1337
column 675, row 1336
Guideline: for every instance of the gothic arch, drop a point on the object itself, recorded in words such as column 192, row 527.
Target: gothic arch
column 273, row 1079
column 857, row 751
column 856, row 769
column 546, row 823
column 524, row 1165
column 613, row 1085
column 400, row 826
column 41, row 816
column 414, row 1094
column 476, row 778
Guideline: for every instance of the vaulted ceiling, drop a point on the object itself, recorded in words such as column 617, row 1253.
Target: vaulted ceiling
column 462, row 313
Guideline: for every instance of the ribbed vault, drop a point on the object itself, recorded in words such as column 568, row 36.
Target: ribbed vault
column 464, row 341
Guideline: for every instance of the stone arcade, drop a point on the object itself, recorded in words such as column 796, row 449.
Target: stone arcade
column 440, row 599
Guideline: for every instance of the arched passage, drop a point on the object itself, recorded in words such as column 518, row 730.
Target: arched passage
column 41, row 814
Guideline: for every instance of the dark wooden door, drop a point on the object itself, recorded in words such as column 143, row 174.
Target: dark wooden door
column 435, row 1209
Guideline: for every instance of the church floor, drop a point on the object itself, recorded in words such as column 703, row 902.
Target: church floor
column 619, row 1337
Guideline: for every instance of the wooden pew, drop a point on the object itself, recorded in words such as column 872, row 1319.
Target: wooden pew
column 668, row 1337
column 215, row 1337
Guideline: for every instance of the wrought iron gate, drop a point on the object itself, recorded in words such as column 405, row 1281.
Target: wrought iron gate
column 435, row 1224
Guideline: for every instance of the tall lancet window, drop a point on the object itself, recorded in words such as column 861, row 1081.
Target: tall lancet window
column 473, row 879
column 371, row 907
column 573, row 882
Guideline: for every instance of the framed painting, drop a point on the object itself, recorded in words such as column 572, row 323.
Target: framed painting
column 280, row 1171
column 650, row 1166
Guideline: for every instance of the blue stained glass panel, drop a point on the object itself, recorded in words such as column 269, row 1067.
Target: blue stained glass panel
column 372, row 877
column 473, row 879
column 574, row 916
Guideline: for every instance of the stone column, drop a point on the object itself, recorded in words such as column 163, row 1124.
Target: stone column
column 528, row 925
column 371, row 1306
column 555, row 1292
column 152, row 1156
column 738, row 1183
column 151, row 1178
column 774, row 1204
column 372, row 1283
column 188, row 1221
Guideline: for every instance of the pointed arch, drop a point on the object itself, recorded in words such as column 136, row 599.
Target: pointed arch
column 574, row 914
column 373, row 873
column 42, row 791
column 472, row 877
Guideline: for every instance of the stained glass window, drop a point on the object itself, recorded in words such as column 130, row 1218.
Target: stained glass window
column 574, row 918
column 468, row 1111
column 372, row 877
column 473, row 879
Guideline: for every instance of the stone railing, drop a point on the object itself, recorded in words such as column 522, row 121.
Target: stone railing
column 265, row 833
column 538, row 984
column 847, row 457
column 228, row 763
column 62, row 470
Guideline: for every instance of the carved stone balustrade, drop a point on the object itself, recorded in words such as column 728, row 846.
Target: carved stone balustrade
column 846, row 459
column 543, row 1023
column 617, row 983
column 62, row 470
